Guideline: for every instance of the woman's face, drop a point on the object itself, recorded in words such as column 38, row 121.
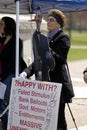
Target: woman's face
column 52, row 24
column 2, row 26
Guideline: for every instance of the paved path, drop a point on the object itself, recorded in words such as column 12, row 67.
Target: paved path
column 76, row 71
column 80, row 128
column 79, row 111
column 79, row 104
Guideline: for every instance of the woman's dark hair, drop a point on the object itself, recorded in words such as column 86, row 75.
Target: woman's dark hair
column 10, row 26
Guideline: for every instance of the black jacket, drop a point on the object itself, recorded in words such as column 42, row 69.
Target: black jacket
column 60, row 45
column 8, row 58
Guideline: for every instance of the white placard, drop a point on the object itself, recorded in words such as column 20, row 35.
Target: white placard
column 33, row 105
column 2, row 90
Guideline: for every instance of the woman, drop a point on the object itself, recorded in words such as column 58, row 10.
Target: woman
column 7, row 59
column 59, row 43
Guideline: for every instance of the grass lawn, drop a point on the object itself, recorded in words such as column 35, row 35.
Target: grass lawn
column 77, row 54
column 78, row 39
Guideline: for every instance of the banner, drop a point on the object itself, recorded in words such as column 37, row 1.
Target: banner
column 33, row 105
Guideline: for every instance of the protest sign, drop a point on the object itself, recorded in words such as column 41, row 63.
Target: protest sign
column 33, row 105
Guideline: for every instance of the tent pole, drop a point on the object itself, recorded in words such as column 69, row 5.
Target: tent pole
column 31, row 32
column 17, row 39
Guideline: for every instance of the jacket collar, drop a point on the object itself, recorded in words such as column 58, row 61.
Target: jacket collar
column 52, row 34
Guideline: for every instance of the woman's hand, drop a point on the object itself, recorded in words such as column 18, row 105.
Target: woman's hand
column 23, row 75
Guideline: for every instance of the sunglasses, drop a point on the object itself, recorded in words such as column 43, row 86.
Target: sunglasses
column 51, row 20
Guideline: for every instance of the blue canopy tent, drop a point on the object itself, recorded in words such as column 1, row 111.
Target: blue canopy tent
column 29, row 7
